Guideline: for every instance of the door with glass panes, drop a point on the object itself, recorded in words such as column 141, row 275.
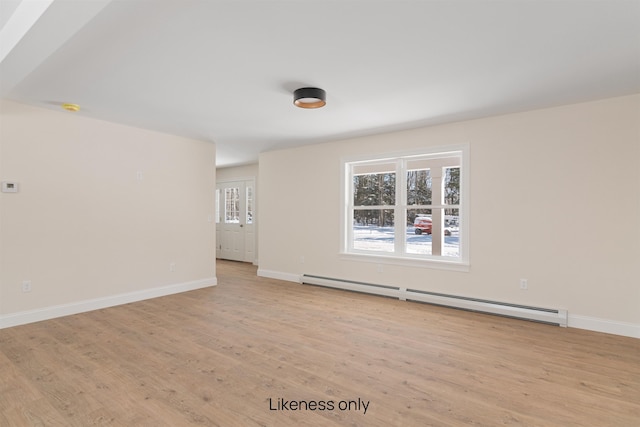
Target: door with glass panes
column 235, row 236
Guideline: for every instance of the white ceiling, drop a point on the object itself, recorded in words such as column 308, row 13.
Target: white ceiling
column 224, row 70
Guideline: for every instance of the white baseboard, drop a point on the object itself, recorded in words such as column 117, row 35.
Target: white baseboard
column 279, row 275
column 604, row 325
column 30, row 316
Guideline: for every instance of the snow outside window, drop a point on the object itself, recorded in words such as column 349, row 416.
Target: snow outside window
column 408, row 207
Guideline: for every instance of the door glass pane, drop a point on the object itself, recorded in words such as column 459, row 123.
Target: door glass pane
column 249, row 205
column 231, row 205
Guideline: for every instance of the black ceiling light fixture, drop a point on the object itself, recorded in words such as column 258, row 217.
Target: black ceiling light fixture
column 309, row 97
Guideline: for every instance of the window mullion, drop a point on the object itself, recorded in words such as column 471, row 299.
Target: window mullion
column 437, row 212
column 400, row 207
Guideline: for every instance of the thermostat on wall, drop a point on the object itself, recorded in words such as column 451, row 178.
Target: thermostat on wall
column 9, row 187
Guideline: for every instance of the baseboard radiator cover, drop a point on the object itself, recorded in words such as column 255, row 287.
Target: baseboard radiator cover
column 350, row 285
column 537, row 314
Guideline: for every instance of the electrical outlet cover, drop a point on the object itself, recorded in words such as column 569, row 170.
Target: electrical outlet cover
column 9, row 187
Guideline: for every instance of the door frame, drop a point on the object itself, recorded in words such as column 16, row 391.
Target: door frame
column 249, row 230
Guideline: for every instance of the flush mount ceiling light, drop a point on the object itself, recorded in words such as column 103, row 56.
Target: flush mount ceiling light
column 309, row 97
column 71, row 107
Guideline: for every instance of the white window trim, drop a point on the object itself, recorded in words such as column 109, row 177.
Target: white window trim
column 459, row 264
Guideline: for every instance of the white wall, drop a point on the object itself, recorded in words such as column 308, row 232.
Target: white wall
column 84, row 229
column 555, row 199
column 237, row 173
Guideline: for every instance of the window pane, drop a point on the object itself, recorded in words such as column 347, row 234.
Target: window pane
column 419, row 187
column 451, row 246
column 373, row 230
column 451, row 186
column 418, row 231
column 249, row 205
column 231, row 205
column 374, row 189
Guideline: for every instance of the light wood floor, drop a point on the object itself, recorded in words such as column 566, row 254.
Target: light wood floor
column 224, row 356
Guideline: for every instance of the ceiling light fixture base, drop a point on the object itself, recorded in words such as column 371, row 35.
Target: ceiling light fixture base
column 71, row 107
column 309, row 97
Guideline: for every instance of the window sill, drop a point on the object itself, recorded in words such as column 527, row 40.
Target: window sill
column 407, row 261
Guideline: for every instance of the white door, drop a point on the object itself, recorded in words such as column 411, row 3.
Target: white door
column 235, row 235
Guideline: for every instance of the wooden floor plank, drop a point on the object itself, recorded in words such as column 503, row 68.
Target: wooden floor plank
column 230, row 355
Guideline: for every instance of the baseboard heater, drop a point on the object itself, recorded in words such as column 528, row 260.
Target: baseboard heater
column 537, row 314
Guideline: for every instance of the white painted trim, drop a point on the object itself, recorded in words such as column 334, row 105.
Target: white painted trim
column 242, row 178
column 279, row 275
column 438, row 264
column 604, row 325
column 46, row 313
column 436, row 151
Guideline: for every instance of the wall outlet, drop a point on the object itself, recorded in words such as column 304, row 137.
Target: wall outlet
column 524, row 285
column 380, row 268
column 302, row 260
column 172, row 266
column 26, row 286
column 9, row 187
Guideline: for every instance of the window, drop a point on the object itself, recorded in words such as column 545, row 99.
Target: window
column 231, row 205
column 409, row 207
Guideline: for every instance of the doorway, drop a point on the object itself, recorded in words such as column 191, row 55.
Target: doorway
column 235, row 220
